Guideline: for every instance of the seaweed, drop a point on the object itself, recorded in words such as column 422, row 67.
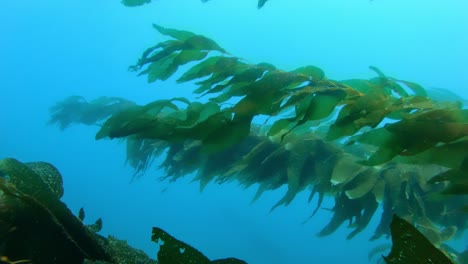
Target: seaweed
column 132, row 3
column 75, row 109
column 364, row 143
column 265, row 90
column 410, row 246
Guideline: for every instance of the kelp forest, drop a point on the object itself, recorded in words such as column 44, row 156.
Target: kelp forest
column 374, row 145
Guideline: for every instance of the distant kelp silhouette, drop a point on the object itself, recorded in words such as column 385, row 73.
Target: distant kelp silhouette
column 133, row 3
column 320, row 133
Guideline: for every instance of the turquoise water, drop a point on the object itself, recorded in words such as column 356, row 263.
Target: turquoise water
column 52, row 49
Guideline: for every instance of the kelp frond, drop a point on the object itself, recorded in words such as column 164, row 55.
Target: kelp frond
column 336, row 139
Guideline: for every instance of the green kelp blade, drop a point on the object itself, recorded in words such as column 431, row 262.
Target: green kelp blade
column 448, row 155
column 311, row 71
column 114, row 129
column 161, row 69
column 406, row 107
column 367, row 110
column 207, row 67
column 392, row 84
column 199, row 42
column 316, row 106
column 206, row 110
column 439, row 125
column 345, row 169
column 389, row 145
column 280, row 125
column 228, row 134
column 363, row 86
column 174, row 33
column 187, row 56
column 154, row 54
column 296, row 179
column 164, row 68
column 361, row 184
column 397, row 88
column 243, row 76
column 250, row 74
column 368, row 209
column 132, row 3
column 416, row 88
column 358, row 212
column 137, row 119
column 320, row 104
column 410, row 246
column 378, row 71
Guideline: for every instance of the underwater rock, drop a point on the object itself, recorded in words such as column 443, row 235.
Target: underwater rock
column 49, row 174
column 122, row 253
column 35, row 225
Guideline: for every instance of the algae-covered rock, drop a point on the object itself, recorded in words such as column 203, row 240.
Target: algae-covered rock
column 36, row 227
column 123, row 253
column 49, row 174
column 34, row 224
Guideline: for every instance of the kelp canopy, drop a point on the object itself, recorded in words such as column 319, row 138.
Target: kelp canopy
column 366, row 143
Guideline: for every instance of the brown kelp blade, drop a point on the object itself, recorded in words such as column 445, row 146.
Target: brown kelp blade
column 410, row 246
column 173, row 251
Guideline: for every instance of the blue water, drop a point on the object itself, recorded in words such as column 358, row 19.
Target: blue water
column 52, row 49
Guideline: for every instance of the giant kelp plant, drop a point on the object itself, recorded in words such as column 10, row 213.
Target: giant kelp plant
column 366, row 143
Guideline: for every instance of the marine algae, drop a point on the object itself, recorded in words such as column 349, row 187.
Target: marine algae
column 331, row 136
